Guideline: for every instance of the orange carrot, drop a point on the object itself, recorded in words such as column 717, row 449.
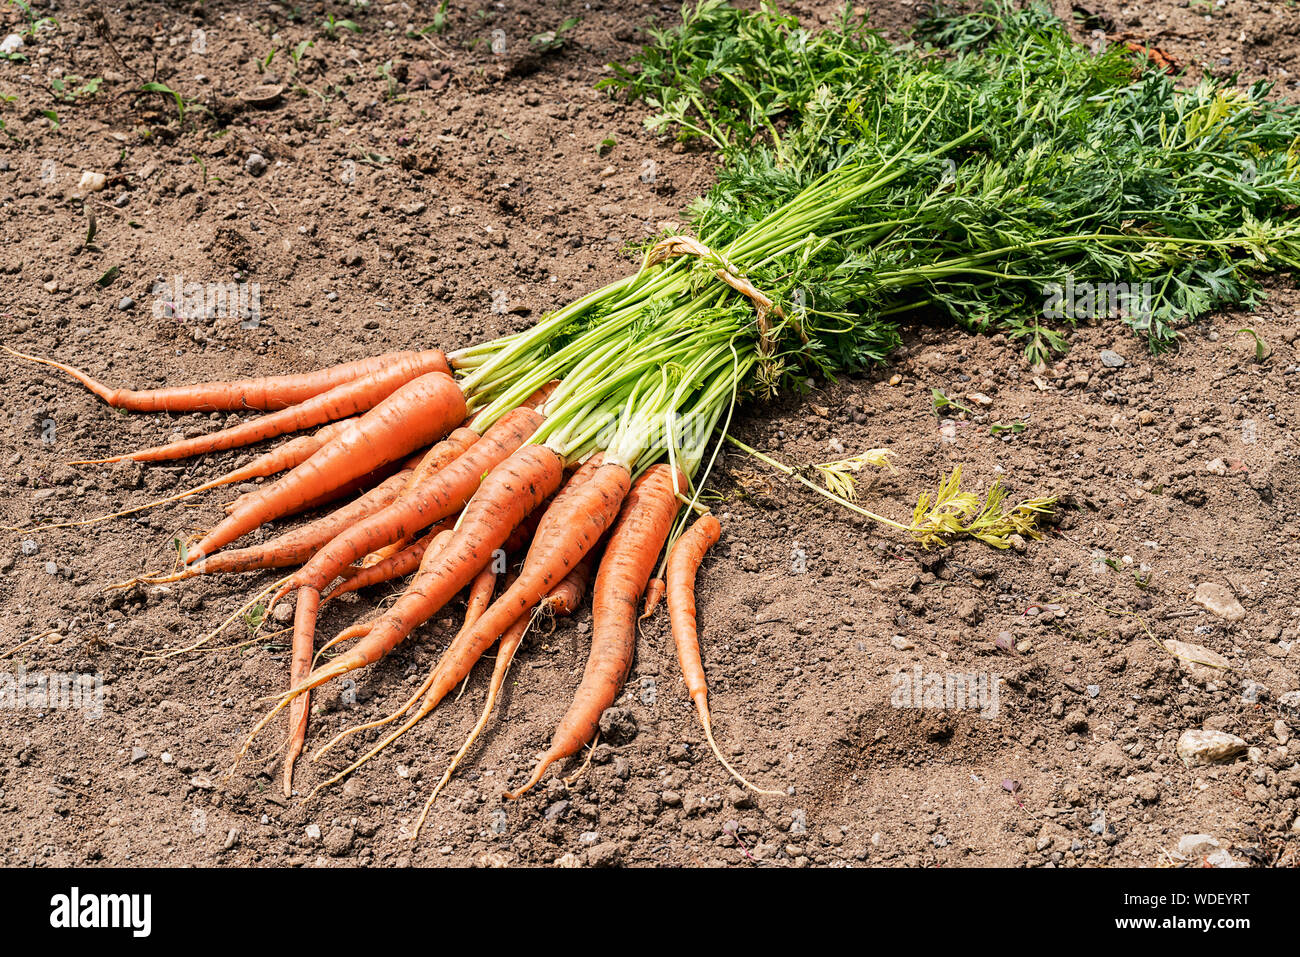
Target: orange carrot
column 508, row 493
column 397, row 565
column 270, row 393
column 299, row 668
column 654, row 594
column 419, row 412
column 571, row 527
column 562, row 600
column 629, row 560
column 428, row 499
column 347, row 398
column 296, row 545
column 279, row 459
column 683, row 562
column 480, row 595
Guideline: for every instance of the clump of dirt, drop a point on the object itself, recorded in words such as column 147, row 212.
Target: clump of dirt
column 413, row 186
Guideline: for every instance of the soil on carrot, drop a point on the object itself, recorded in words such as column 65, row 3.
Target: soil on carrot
column 432, row 182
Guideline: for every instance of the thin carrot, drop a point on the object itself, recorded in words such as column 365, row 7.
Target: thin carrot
column 419, row 412
column 562, row 600
column 269, row 393
column 571, row 527
column 480, row 596
column 508, row 493
column 296, row 545
column 683, row 562
column 397, row 565
column 654, row 594
column 348, row 398
column 279, row 459
column 299, row 668
column 629, row 560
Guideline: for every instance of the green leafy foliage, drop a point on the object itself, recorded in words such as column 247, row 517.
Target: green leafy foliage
column 1005, row 158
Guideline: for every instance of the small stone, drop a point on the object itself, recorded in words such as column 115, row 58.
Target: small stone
column 126, row 304
column 901, row 643
column 607, row 854
column 51, row 568
column 1208, row 747
column 232, row 838
column 1281, row 731
column 1222, row 858
column 313, row 832
column 283, row 612
column 138, row 755
column 339, row 841
column 11, row 44
column 166, row 757
column 30, row 547
column 255, row 164
column 92, row 182
column 1111, row 359
column 979, row 398
column 1216, row 467
column 1219, row 600
column 1199, row 662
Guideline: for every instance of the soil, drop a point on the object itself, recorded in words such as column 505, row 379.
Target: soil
column 424, row 190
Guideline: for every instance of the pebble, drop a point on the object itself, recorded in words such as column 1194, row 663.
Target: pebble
column 283, row 612
column 126, row 304
column 232, row 838
column 11, row 44
column 138, row 755
column 1219, row 600
column 1208, row 747
column 51, row 568
column 30, row 547
column 901, row 643
column 166, row 757
column 91, row 181
column 313, row 832
column 255, row 164
column 1111, row 359
column 1199, row 662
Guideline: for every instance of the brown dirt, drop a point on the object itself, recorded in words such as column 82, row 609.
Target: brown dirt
column 389, row 223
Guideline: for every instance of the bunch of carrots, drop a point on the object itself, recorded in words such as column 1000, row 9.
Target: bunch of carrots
column 435, row 491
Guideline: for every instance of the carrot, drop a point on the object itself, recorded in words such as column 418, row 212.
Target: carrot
column 419, row 412
column 683, row 562
column 480, row 595
column 299, row 668
column 296, row 545
column 279, row 459
column 270, row 393
column 654, row 594
column 397, row 565
column 629, row 560
column 562, row 600
column 428, row 499
column 347, row 398
column 570, row 528
column 508, row 493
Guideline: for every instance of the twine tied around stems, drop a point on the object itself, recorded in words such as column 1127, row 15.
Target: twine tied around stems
column 673, row 246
